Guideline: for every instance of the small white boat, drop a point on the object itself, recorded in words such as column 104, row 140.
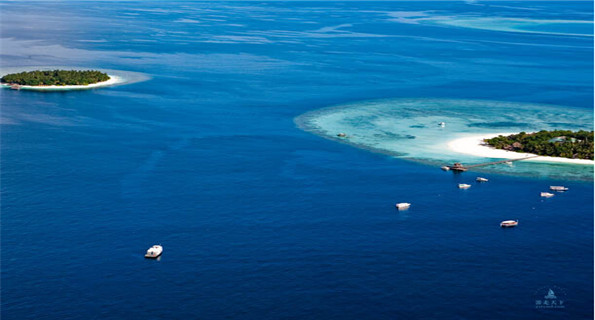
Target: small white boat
column 480, row 179
column 442, row 124
column 547, row 194
column 509, row 223
column 558, row 188
column 464, row 186
column 403, row 205
column 445, row 168
column 341, row 135
column 154, row 252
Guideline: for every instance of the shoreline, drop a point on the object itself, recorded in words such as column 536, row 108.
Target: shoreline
column 474, row 145
column 113, row 80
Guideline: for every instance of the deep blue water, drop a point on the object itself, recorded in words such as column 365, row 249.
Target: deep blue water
column 258, row 219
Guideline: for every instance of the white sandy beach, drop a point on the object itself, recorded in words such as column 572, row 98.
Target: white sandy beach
column 113, row 80
column 474, row 145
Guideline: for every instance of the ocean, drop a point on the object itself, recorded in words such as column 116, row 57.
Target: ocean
column 200, row 152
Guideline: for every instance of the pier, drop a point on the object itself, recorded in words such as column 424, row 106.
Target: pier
column 459, row 167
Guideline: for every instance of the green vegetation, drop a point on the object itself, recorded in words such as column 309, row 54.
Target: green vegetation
column 55, row 77
column 557, row 143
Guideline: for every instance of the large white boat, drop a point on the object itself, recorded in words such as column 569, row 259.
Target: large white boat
column 547, row 194
column 558, row 188
column 403, row 205
column 154, row 252
column 464, row 186
column 509, row 223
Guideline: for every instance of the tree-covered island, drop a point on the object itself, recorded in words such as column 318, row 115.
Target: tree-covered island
column 556, row 143
column 55, row 78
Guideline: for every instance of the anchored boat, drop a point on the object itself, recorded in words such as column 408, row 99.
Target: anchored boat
column 509, row 223
column 547, row 194
column 558, row 188
column 403, row 205
column 480, row 179
column 154, row 252
column 464, row 186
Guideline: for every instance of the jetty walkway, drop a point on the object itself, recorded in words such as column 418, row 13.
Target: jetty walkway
column 460, row 167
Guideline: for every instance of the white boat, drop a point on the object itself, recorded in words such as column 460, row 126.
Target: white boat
column 509, row 223
column 154, row 251
column 464, row 186
column 342, row 135
column 442, row 124
column 547, row 194
column 480, row 179
column 558, row 188
column 445, row 168
column 403, row 205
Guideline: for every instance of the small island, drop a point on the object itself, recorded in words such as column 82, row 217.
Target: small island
column 556, row 143
column 55, row 78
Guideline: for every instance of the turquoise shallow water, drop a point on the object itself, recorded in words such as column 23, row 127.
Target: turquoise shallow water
column 409, row 129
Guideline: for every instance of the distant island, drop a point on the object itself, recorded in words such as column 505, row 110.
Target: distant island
column 556, row 143
column 55, row 78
